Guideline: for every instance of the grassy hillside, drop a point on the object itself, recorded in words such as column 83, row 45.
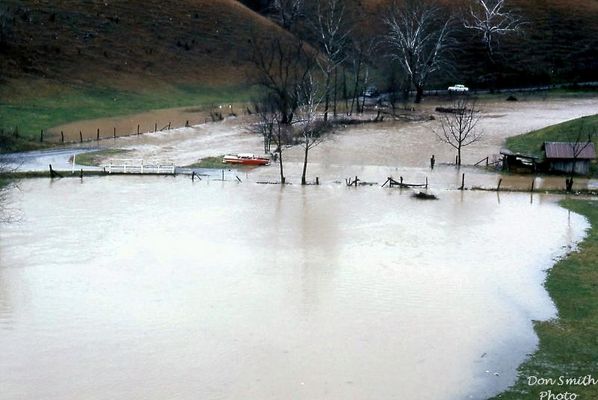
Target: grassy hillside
column 530, row 143
column 125, row 42
column 66, row 60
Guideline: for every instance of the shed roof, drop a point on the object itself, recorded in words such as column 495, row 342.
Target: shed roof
column 570, row 150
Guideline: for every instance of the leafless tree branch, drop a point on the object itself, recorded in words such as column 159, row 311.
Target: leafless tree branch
column 420, row 36
column 459, row 128
column 491, row 19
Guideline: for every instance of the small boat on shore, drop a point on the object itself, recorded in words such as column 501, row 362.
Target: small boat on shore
column 245, row 159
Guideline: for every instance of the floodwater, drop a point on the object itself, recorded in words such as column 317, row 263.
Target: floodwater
column 159, row 288
column 371, row 151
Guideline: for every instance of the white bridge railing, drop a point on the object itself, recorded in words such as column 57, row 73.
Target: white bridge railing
column 139, row 167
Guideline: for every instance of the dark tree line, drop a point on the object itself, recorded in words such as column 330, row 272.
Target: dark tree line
column 322, row 60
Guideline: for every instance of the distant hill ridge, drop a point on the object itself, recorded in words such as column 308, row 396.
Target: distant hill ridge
column 204, row 41
column 131, row 43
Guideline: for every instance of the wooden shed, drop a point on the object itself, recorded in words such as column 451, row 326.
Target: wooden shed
column 517, row 162
column 567, row 157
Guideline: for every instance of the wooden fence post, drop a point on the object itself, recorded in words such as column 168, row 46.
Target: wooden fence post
column 81, row 136
column 114, row 133
column 533, row 182
column 61, row 136
column 54, row 174
column 462, row 182
column 137, row 129
column 41, row 136
column 169, row 126
column 499, row 183
column 156, row 127
column 98, row 134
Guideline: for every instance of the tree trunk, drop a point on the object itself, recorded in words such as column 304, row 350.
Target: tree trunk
column 419, row 93
column 327, row 96
column 335, row 90
column 303, row 175
column 282, row 179
column 356, row 87
column 365, row 84
column 345, row 92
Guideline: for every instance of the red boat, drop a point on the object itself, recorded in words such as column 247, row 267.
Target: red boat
column 246, row 159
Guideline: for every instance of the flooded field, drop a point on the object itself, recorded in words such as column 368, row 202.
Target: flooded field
column 155, row 288
column 371, row 151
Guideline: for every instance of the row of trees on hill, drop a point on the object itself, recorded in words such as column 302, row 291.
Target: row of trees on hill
column 326, row 62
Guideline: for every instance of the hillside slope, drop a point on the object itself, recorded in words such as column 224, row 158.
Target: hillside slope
column 124, row 42
column 134, row 42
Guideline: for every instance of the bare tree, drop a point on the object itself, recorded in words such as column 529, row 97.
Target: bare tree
column 281, row 64
column 420, row 37
column 312, row 129
column 491, row 20
column 332, row 36
column 578, row 141
column 459, row 127
column 287, row 12
column 361, row 51
column 270, row 124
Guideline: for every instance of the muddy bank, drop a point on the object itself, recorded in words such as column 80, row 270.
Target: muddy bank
column 149, row 121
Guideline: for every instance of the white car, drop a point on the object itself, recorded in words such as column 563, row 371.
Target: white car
column 458, row 88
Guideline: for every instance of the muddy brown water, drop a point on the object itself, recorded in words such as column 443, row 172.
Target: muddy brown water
column 141, row 287
column 373, row 151
column 157, row 287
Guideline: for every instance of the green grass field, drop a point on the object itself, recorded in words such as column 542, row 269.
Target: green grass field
column 531, row 143
column 569, row 344
column 94, row 158
column 63, row 104
column 210, row 162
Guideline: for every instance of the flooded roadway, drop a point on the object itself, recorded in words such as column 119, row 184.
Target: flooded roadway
column 154, row 288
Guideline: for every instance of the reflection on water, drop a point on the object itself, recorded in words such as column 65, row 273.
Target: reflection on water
column 154, row 288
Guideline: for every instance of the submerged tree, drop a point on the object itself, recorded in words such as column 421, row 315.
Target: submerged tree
column 491, row 20
column 311, row 129
column 270, row 124
column 459, row 127
column 420, row 38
